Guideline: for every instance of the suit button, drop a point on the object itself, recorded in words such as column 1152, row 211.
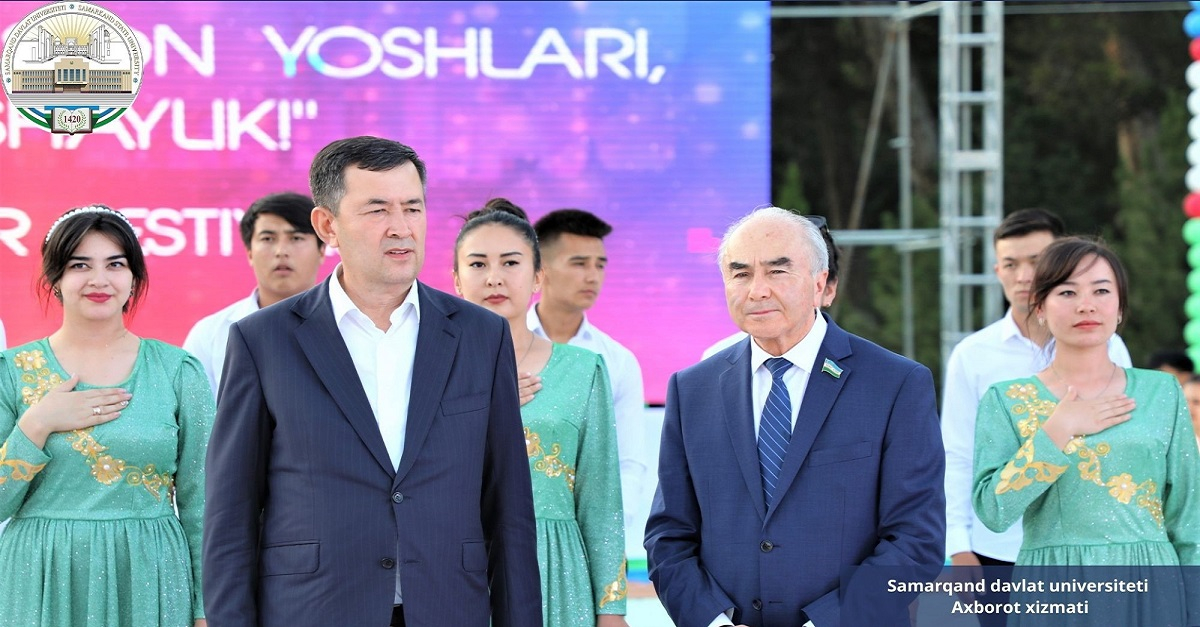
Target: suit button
column 397, row 497
column 387, row 562
column 756, row 604
column 766, row 546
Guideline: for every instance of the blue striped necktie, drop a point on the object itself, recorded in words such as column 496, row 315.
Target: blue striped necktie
column 774, row 428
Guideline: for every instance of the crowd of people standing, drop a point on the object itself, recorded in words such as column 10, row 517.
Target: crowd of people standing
column 365, row 449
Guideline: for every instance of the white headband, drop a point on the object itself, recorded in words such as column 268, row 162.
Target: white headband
column 82, row 210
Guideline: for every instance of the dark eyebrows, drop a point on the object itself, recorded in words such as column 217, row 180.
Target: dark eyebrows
column 507, row 254
column 780, row 262
column 82, row 258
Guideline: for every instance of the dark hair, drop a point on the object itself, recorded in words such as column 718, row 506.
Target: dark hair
column 1195, row 378
column 573, row 221
column 295, row 208
column 1062, row 258
column 68, row 232
column 327, row 175
column 501, row 211
column 1025, row 221
column 834, row 254
column 1173, row 357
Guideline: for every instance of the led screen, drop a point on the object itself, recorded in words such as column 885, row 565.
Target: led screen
column 653, row 115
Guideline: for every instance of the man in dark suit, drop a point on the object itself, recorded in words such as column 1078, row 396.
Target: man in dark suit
column 367, row 463
column 792, row 456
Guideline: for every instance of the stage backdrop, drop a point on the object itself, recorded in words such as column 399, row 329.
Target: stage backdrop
column 653, row 115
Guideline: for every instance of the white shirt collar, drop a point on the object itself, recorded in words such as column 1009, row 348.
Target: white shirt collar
column 803, row 355
column 534, row 323
column 343, row 306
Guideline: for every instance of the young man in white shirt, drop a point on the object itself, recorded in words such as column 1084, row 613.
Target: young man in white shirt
column 574, row 259
column 1009, row 348
column 285, row 254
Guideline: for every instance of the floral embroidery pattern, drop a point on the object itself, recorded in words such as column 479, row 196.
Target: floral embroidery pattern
column 1012, row 476
column 109, row 470
column 105, row 468
column 615, row 591
column 551, row 463
column 35, row 374
column 1122, row 487
column 20, row 470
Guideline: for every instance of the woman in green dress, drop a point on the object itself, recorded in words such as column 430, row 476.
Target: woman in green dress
column 1100, row 461
column 102, row 440
column 570, row 429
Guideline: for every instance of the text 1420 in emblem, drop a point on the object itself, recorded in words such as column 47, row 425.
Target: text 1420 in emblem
column 71, row 67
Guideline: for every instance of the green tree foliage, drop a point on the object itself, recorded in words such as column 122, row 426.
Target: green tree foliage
column 1095, row 129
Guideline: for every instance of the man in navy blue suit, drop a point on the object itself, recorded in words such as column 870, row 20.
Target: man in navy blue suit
column 367, row 463
column 792, row 456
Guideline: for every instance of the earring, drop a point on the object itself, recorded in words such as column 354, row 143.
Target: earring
column 57, row 293
column 1119, row 319
column 1041, row 322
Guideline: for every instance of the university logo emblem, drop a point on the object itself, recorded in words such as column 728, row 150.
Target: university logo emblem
column 71, row 67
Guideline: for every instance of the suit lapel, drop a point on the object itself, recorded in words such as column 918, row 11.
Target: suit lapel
column 326, row 351
column 739, row 420
column 437, row 344
column 822, row 391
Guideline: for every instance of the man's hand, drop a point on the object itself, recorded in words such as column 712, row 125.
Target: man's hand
column 966, row 567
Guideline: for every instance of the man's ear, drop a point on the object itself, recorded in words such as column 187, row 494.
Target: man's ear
column 324, row 223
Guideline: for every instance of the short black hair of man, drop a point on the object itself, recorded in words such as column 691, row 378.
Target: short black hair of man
column 295, row 208
column 1173, row 357
column 573, row 221
column 1025, row 221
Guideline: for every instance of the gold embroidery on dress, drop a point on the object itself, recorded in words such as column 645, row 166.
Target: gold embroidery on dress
column 533, row 443
column 1012, row 476
column 551, row 463
column 616, row 590
column 37, row 375
column 105, row 468
column 1121, row 487
column 21, row 469
column 109, row 470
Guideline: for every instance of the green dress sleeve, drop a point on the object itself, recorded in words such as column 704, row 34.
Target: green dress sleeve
column 1181, row 504
column 20, row 459
column 195, row 418
column 1014, row 464
column 598, row 497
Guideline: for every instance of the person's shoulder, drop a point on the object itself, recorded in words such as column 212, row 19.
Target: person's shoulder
column 615, row 349
column 1015, row 386
column 578, row 354
column 28, row 356
column 462, row 310
column 987, row 337
column 873, row 355
column 1152, row 377
column 164, row 356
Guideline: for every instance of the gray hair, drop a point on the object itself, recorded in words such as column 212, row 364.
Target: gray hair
column 817, row 251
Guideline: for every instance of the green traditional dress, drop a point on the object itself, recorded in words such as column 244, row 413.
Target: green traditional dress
column 95, row 540
column 571, row 439
column 1126, row 496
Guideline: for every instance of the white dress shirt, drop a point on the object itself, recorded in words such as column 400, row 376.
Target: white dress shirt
column 803, row 356
column 209, row 337
column 995, row 353
column 629, row 405
column 384, row 361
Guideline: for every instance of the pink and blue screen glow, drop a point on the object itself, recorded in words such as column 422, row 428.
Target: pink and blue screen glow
column 654, row 116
